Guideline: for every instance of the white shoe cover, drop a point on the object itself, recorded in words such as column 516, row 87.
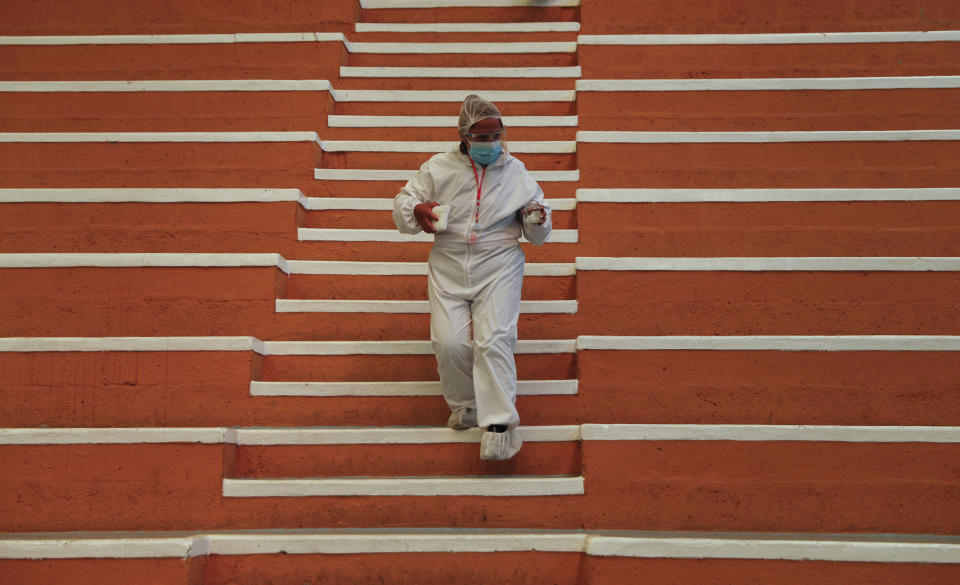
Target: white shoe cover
column 462, row 419
column 500, row 446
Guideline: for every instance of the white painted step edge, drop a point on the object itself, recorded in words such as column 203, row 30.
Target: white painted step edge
column 168, row 85
column 524, row 346
column 420, row 486
column 406, row 175
column 770, row 84
column 395, row 541
column 450, row 95
column 518, row 146
column 389, row 4
column 893, row 343
column 524, row 388
column 339, row 121
column 558, row 236
column 122, row 195
column 408, row 268
column 772, row 264
column 179, row 39
column 511, row 47
column 892, row 548
column 525, row 47
column 797, row 548
column 890, row 343
column 99, row 344
column 343, row 95
column 390, row 436
column 270, row 436
column 934, row 36
column 405, row 307
column 126, row 137
column 763, row 195
column 464, row 27
column 439, row 435
column 140, row 260
column 386, row 203
column 828, row 433
column 628, row 137
column 460, row 72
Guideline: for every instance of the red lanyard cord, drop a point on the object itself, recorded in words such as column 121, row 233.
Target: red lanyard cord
column 479, row 179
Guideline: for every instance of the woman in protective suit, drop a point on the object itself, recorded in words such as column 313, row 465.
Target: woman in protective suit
column 475, row 271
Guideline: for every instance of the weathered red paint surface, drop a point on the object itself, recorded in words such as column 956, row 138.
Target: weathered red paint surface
column 211, row 228
column 122, row 389
column 492, row 15
column 388, row 108
column 98, row 17
column 773, row 486
column 166, row 111
column 103, row 571
column 270, row 165
column 771, row 165
column 557, row 59
column 149, row 227
column 774, row 229
column 109, row 487
column 150, row 302
column 444, row 459
column 413, row 160
column 417, row 367
column 769, row 387
column 93, row 62
column 339, row 286
column 757, row 16
column 199, row 301
column 373, row 188
column 400, row 568
column 617, row 570
column 765, row 486
column 769, row 111
column 768, row 303
column 383, row 220
column 748, row 61
column 459, row 81
column 178, row 487
column 212, row 389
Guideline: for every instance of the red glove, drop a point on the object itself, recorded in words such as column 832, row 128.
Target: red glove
column 425, row 216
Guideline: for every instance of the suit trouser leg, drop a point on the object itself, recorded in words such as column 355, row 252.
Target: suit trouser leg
column 450, row 338
column 495, row 312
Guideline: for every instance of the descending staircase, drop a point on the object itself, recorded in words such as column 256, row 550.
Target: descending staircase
column 738, row 353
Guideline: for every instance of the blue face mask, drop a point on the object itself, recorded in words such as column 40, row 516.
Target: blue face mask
column 485, row 153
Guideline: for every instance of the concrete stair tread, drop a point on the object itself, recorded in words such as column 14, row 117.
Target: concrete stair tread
column 514, row 486
column 108, row 544
column 404, row 388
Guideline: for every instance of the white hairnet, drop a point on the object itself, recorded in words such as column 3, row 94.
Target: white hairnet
column 474, row 109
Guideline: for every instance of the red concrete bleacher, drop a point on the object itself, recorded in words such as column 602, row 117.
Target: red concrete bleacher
column 738, row 353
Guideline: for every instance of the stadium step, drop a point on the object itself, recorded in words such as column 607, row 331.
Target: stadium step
column 788, row 222
column 768, row 56
column 430, row 452
column 489, row 13
column 749, row 285
column 838, row 479
column 783, row 104
column 431, row 556
column 756, row 160
column 794, row 16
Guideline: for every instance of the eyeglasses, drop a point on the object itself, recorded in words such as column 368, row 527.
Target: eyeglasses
column 492, row 137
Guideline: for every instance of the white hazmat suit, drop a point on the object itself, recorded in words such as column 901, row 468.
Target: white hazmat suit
column 476, row 283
